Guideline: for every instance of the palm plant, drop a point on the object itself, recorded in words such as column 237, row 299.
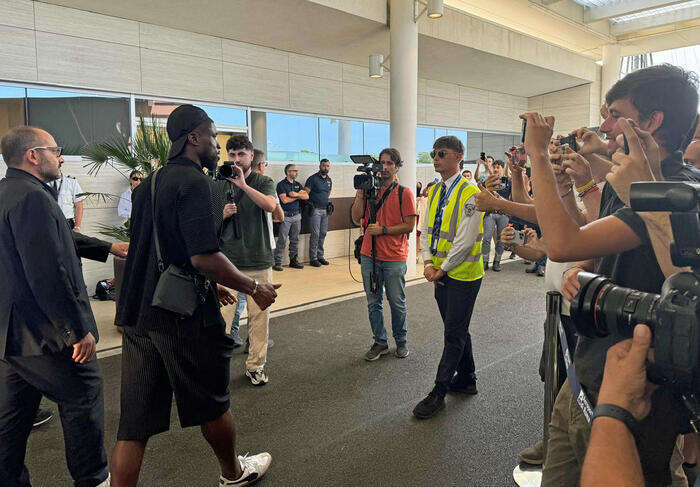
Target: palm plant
column 148, row 152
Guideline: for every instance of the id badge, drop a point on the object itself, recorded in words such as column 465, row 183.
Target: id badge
column 433, row 245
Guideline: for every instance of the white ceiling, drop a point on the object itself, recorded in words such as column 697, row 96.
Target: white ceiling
column 308, row 28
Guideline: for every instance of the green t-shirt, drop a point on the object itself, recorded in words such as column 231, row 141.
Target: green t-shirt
column 253, row 249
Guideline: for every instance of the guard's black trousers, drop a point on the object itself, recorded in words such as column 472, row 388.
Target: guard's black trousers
column 455, row 299
column 77, row 389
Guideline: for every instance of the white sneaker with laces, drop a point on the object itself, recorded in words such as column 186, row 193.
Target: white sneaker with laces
column 253, row 468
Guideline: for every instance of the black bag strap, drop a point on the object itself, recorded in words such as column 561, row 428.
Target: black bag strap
column 159, row 257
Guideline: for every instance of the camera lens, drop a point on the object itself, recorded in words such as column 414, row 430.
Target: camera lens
column 602, row 308
column 225, row 171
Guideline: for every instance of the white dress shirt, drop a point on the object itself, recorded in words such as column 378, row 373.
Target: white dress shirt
column 124, row 207
column 467, row 231
column 68, row 189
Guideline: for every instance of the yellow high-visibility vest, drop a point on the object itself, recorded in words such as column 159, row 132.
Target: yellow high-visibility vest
column 473, row 266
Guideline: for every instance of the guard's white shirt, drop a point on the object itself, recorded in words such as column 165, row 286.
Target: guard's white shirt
column 467, row 231
column 68, row 189
column 124, row 207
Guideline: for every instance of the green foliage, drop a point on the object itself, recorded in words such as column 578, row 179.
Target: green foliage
column 424, row 158
column 149, row 152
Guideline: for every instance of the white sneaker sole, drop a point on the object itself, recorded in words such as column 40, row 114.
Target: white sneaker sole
column 256, row 383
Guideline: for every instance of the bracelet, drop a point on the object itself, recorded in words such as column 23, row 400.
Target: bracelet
column 255, row 289
column 588, row 191
column 586, row 186
column 616, row 412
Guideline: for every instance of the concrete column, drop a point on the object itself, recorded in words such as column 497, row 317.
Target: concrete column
column 344, row 136
column 404, row 97
column 258, row 130
column 612, row 57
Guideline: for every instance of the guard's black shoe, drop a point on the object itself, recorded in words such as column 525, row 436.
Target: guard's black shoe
column 277, row 267
column 532, row 269
column 430, row 406
column 497, row 266
column 540, row 271
column 465, row 385
column 315, row 263
column 486, row 265
column 294, row 264
column 323, row 261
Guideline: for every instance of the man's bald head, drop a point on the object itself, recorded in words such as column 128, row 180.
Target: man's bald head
column 19, row 140
column 691, row 156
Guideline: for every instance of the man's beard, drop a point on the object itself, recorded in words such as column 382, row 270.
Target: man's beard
column 292, row 177
column 48, row 172
column 323, row 171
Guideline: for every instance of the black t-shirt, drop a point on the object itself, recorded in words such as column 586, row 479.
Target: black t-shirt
column 284, row 187
column 185, row 218
column 636, row 269
column 505, row 192
column 320, row 189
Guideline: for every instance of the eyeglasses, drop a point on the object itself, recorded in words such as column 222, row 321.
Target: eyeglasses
column 136, row 178
column 55, row 150
column 441, row 153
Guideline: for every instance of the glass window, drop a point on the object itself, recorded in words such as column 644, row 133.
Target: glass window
column 340, row 138
column 225, row 117
column 76, row 119
column 376, row 138
column 292, row 138
column 425, row 136
column 461, row 135
column 474, row 145
column 11, row 108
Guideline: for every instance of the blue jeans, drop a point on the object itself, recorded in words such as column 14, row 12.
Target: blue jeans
column 392, row 277
column 493, row 222
column 240, row 306
column 319, row 227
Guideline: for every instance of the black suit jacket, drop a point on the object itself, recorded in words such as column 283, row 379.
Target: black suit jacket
column 44, row 305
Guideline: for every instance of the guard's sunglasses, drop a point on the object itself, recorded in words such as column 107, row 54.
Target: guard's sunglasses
column 441, row 154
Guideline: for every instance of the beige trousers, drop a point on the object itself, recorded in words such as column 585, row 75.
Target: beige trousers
column 258, row 321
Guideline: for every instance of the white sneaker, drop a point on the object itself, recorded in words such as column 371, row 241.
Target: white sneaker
column 253, row 468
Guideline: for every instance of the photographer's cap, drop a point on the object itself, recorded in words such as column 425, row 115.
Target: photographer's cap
column 181, row 122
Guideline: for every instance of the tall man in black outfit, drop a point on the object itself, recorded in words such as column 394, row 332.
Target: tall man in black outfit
column 47, row 330
column 163, row 352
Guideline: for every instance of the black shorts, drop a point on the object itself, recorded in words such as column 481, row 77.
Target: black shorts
column 186, row 359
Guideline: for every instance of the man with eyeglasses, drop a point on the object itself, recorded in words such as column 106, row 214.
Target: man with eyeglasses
column 68, row 190
column 124, row 207
column 451, row 248
column 48, row 333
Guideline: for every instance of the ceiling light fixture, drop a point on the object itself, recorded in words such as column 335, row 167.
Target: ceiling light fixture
column 377, row 65
column 435, row 9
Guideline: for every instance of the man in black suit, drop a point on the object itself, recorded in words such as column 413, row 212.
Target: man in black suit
column 48, row 333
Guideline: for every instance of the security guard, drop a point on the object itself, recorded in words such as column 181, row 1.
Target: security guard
column 68, row 189
column 451, row 248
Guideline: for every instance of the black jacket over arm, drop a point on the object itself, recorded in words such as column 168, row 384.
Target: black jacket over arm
column 44, row 306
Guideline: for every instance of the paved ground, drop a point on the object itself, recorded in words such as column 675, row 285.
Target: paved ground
column 329, row 418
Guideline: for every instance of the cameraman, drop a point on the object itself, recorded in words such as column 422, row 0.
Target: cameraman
column 661, row 100
column 387, row 237
column 245, row 240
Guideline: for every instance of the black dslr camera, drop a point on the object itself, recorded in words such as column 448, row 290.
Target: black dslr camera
column 226, row 171
column 602, row 308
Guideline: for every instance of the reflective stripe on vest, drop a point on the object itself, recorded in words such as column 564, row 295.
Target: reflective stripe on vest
column 472, row 267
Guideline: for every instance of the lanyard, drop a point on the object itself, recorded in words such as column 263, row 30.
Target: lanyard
column 442, row 202
column 576, row 389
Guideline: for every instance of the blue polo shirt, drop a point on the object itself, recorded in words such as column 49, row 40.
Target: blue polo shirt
column 285, row 187
column 320, row 190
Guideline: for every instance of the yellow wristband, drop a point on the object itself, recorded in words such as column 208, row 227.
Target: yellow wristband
column 586, row 186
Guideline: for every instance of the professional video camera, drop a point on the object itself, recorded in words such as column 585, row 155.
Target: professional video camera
column 602, row 308
column 370, row 181
column 225, row 171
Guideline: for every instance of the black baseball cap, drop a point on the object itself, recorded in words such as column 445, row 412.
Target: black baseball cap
column 181, row 122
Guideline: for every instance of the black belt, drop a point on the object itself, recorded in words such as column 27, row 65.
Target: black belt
column 291, row 213
column 320, row 206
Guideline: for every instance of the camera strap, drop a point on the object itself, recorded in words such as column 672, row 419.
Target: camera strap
column 381, row 202
column 576, row 389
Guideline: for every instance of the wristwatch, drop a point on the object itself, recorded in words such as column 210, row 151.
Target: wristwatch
column 383, row 230
column 616, row 412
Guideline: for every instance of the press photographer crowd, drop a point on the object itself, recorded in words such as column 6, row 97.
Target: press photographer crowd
column 609, row 217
